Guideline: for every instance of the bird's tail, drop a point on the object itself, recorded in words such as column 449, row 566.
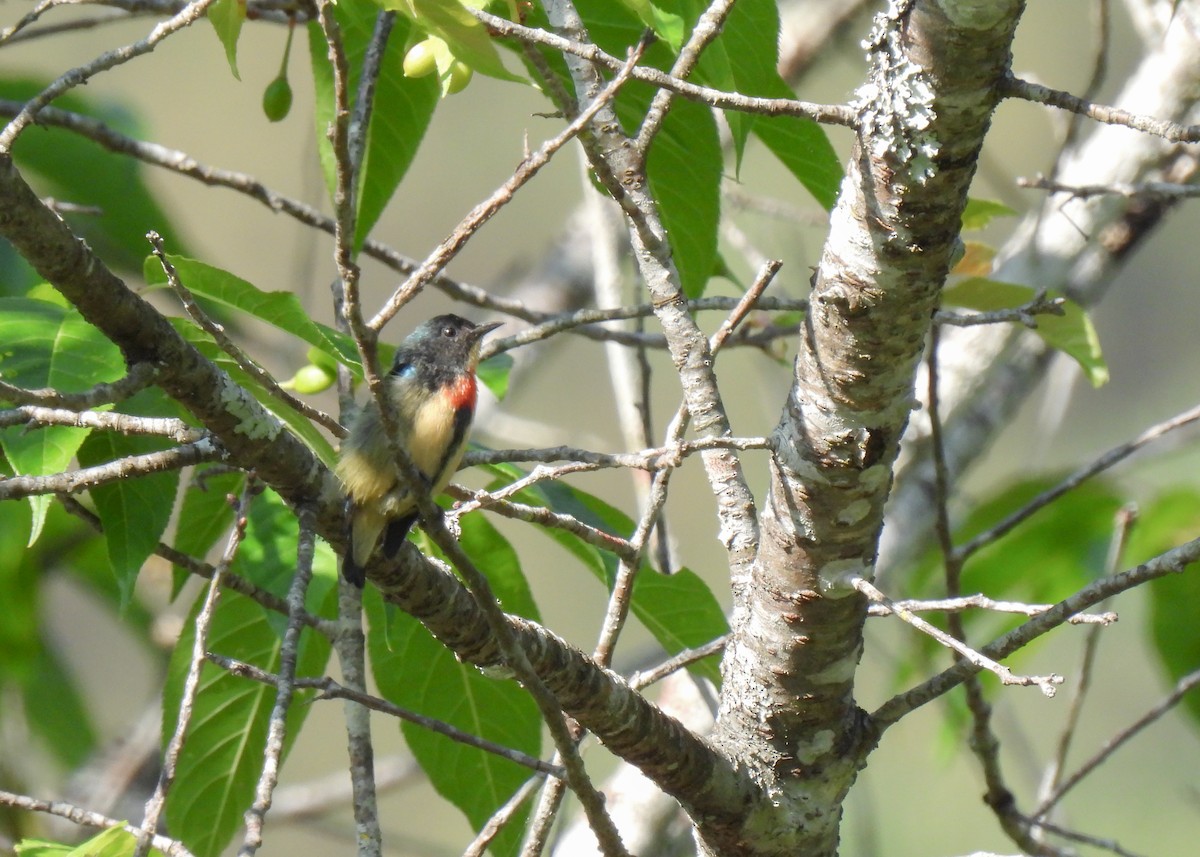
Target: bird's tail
column 365, row 526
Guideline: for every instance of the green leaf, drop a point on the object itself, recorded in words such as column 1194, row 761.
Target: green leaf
column 44, row 345
column 73, row 168
column 205, row 515
column 1169, row 521
column 114, row 842
column 980, row 212
column 679, row 610
column 267, row 555
column 400, row 112
column 684, row 167
column 1061, row 548
column 20, row 593
column 451, row 21
column 494, row 373
column 227, row 17
column 41, row 848
column 419, row 673
column 56, row 710
column 743, row 59
column 685, row 162
column 802, row 147
column 223, row 754
column 495, row 557
column 668, row 26
column 135, row 512
column 282, row 310
column 297, row 422
column 1072, row 332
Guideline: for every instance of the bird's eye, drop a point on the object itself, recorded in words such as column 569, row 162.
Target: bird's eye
column 450, row 332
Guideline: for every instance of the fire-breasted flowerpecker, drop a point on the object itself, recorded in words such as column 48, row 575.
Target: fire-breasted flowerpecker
column 431, row 387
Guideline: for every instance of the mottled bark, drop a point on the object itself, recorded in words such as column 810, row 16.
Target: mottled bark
column 788, row 712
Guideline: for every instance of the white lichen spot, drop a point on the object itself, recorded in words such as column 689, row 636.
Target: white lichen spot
column 873, row 478
column 499, row 672
column 854, row 512
column 810, row 751
column 836, row 577
column 251, row 422
column 839, row 671
column 896, row 107
column 976, row 14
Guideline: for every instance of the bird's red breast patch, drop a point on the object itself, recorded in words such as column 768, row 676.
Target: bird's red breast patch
column 460, row 393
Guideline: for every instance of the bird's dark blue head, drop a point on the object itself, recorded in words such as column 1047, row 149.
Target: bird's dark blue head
column 440, row 350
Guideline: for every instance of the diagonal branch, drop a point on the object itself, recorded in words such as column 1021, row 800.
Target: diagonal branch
column 82, row 74
column 934, row 82
column 250, row 434
column 612, row 154
column 73, row 481
column 1173, row 561
column 683, row 764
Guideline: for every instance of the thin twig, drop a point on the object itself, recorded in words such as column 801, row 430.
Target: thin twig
column 827, row 114
column 141, row 376
column 183, row 164
column 708, row 27
column 31, row 17
column 1026, row 314
column 657, row 458
column 529, row 167
column 501, row 817
column 284, row 686
column 1075, row 836
column 682, row 660
column 1165, row 190
column 168, row 427
column 1170, row 131
column 74, row 481
column 350, row 642
column 110, row 59
column 1047, row 684
column 87, row 817
column 1182, row 687
column 1172, row 561
column 229, row 580
column 154, row 806
column 984, row 743
column 328, row 688
column 549, row 518
column 1126, row 516
column 1100, row 464
column 983, row 602
column 516, row 660
column 243, row 360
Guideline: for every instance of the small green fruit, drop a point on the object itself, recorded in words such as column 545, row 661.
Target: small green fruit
column 277, row 99
column 309, row 380
column 324, row 359
column 421, row 59
column 460, row 76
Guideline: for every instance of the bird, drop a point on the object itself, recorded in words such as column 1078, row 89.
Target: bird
column 432, row 391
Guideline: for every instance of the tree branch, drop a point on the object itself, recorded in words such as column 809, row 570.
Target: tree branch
column 1173, row 561
column 73, row 481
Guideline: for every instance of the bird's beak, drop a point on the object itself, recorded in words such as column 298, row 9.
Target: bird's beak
column 478, row 332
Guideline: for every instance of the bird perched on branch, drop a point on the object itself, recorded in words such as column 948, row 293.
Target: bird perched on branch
column 431, row 388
